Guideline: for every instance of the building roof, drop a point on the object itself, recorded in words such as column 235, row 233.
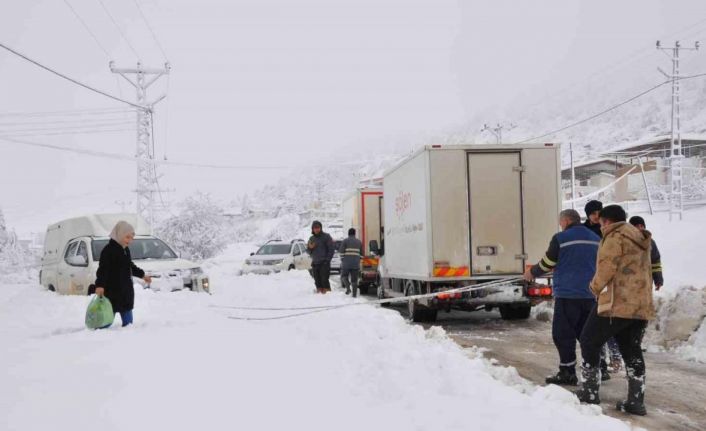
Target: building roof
column 590, row 162
column 658, row 142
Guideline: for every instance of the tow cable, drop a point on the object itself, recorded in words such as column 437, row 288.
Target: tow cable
column 304, row 311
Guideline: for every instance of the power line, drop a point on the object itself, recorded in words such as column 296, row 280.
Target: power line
column 594, row 116
column 78, row 17
column 149, row 27
column 67, row 132
column 61, row 75
column 67, row 113
column 119, row 29
column 68, row 122
column 115, row 156
column 66, row 127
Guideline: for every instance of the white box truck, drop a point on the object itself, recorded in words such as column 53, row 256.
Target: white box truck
column 459, row 215
column 363, row 211
column 72, row 250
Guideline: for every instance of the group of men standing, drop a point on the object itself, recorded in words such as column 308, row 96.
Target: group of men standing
column 322, row 248
column 603, row 272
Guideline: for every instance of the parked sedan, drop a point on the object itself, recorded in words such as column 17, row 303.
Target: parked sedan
column 276, row 256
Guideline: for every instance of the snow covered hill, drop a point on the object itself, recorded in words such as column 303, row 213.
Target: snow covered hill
column 185, row 365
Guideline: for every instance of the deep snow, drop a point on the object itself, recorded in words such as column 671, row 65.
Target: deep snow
column 184, row 365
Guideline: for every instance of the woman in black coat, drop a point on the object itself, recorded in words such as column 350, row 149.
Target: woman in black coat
column 115, row 272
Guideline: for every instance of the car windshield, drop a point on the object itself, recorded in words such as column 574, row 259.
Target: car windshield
column 274, row 249
column 140, row 249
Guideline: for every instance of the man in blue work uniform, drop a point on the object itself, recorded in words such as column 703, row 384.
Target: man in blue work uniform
column 572, row 256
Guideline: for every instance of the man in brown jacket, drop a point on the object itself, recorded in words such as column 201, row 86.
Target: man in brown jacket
column 623, row 286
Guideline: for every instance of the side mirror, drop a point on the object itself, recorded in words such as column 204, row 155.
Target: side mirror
column 252, row 254
column 77, row 261
column 374, row 248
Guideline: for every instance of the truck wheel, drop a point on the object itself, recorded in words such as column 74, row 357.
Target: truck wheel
column 417, row 312
column 291, row 267
column 508, row 312
column 51, row 288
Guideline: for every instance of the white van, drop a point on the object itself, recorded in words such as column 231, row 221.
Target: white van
column 72, row 250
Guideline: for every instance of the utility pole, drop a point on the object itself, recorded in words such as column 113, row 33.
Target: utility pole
column 146, row 186
column 573, row 177
column 497, row 131
column 676, row 198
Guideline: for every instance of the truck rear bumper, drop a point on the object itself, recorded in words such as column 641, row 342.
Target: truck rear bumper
column 493, row 296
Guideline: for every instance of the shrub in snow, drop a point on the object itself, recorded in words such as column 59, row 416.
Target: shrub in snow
column 199, row 231
column 284, row 228
column 13, row 257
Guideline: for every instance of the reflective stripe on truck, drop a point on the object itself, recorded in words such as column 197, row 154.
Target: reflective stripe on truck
column 451, row 271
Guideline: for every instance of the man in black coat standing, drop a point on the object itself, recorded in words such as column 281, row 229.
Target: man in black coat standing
column 593, row 222
column 655, row 257
column 321, row 249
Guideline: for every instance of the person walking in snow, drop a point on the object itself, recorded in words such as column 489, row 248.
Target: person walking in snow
column 321, row 249
column 623, row 286
column 115, row 272
column 655, row 258
column 593, row 210
column 572, row 256
column 351, row 251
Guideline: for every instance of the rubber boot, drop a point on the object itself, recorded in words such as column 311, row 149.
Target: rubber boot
column 635, row 404
column 588, row 393
column 565, row 376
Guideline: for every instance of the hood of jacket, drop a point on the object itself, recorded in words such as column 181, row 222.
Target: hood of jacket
column 641, row 238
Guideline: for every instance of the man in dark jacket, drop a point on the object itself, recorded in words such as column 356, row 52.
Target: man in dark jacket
column 351, row 251
column 321, row 248
column 593, row 211
column 655, row 258
column 572, row 256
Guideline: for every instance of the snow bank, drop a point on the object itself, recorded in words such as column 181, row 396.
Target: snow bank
column 681, row 303
column 185, row 365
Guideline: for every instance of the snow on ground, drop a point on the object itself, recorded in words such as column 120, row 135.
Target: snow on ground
column 185, row 365
column 681, row 303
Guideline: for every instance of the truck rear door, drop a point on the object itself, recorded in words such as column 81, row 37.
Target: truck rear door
column 495, row 200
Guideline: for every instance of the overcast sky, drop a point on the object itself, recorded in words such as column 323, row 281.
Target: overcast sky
column 295, row 83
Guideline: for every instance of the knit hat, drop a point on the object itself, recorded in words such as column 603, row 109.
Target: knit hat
column 593, row 206
column 637, row 220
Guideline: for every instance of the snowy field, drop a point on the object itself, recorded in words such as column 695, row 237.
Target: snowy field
column 185, row 365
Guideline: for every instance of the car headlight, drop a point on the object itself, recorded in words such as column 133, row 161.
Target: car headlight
column 248, row 261
column 275, row 261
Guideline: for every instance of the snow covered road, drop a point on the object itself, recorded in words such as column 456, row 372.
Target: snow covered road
column 184, row 365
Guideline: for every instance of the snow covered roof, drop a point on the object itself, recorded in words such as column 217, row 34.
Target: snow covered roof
column 658, row 141
column 590, row 162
